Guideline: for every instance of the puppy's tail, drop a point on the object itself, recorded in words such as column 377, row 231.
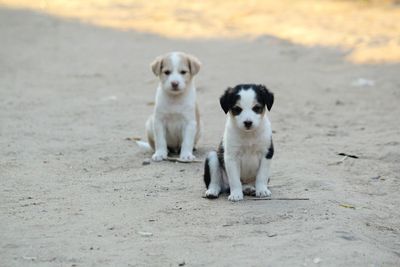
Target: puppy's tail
column 144, row 146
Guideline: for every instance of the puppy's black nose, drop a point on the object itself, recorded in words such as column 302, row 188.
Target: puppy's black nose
column 248, row 124
column 174, row 84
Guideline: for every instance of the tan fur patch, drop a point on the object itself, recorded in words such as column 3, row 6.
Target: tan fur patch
column 198, row 129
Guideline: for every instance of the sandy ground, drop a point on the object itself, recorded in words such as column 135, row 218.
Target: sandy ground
column 74, row 191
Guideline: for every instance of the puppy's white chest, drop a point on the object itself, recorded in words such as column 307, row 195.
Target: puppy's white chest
column 250, row 158
column 174, row 124
column 174, row 116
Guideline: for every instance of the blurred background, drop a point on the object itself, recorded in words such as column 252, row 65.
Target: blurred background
column 368, row 29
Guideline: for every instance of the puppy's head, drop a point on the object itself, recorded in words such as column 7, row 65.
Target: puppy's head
column 246, row 104
column 175, row 71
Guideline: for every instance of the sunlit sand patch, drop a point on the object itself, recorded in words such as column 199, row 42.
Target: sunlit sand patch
column 370, row 32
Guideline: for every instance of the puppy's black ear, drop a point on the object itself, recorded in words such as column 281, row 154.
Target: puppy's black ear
column 226, row 100
column 267, row 96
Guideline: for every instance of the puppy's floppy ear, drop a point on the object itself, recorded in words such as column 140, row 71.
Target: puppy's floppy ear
column 194, row 64
column 156, row 66
column 226, row 100
column 267, row 96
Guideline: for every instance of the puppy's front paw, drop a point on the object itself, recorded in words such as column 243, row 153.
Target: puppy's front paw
column 186, row 157
column 236, row 195
column 212, row 192
column 262, row 191
column 159, row 156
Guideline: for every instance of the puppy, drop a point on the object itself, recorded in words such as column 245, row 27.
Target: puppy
column 245, row 153
column 175, row 123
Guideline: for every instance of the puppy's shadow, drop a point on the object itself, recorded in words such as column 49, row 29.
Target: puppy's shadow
column 200, row 153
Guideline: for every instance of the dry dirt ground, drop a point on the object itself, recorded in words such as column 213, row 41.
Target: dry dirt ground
column 74, row 191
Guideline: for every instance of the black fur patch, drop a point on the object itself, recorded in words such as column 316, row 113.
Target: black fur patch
column 236, row 110
column 264, row 96
column 270, row 153
column 231, row 96
column 207, row 175
column 258, row 109
column 220, row 155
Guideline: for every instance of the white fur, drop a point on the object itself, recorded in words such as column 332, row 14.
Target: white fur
column 247, row 98
column 245, row 153
column 175, row 76
column 245, row 157
column 174, row 123
column 215, row 185
column 144, row 146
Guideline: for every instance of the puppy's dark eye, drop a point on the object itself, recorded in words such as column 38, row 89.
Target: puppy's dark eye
column 258, row 109
column 236, row 110
column 183, row 72
column 167, row 72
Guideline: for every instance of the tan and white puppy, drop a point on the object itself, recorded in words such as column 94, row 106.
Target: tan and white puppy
column 242, row 161
column 175, row 123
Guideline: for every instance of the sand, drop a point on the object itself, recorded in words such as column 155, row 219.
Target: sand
column 74, row 191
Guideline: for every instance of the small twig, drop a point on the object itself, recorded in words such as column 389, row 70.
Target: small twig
column 339, row 162
column 348, row 155
column 345, row 156
column 182, row 161
column 133, row 139
column 343, row 159
column 279, row 198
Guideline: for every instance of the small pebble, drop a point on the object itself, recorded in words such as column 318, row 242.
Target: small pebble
column 182, row 263
column 146, row 234
column 317, row 260
column 29, row 258
column 146, row 162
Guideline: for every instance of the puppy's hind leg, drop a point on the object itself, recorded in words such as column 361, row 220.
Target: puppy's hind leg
column 212, row 175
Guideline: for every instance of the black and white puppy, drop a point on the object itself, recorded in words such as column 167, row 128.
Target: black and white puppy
column 245, row 153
